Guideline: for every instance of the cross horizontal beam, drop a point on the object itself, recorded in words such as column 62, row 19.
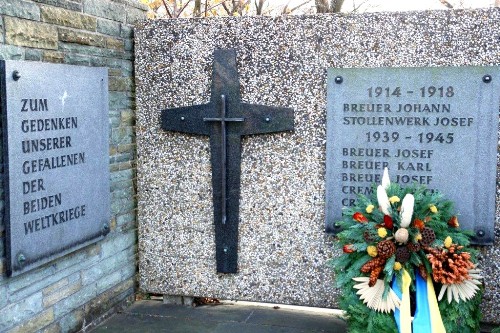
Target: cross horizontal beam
column 226, row 119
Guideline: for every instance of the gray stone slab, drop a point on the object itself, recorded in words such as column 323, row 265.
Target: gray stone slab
column 152, row 316
column 55, row 126
column 11, row 52
column 235, row 327
column 302, row 320
column 213, row 313
column 23, row 9
column 107, row 9
column 33, row 55
column 432, row 126
column 108, row 27
column 144, row 323
column 2, row 38
column 67, row 4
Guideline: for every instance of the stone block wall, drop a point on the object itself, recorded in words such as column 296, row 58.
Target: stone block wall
column 77, row 290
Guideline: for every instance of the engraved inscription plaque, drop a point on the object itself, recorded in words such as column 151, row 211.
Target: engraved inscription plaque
column 432, row 126
column 55, row 131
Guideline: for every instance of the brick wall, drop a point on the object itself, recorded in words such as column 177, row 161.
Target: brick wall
column 79, row 289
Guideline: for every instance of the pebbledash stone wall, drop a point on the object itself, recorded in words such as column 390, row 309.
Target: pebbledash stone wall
column 77, row 290
column 281, row 61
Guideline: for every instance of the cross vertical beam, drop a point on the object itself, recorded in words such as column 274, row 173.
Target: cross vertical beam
column 223, row 161
column 226, row 119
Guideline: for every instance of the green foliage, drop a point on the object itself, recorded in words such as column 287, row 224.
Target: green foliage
column 463, row 317
column 360, row 225
column 361, row 319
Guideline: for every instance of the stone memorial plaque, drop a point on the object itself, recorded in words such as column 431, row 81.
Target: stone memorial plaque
column 56, row 160
column 432, row 126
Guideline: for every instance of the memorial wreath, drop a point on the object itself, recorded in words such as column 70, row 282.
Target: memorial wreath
column 406, row 265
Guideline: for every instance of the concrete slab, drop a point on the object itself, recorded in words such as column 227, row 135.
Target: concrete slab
column 154, row 316
column 304, row 320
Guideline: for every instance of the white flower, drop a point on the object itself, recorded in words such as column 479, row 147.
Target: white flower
column 383, row 200
column 401, row 235
column 407, row 210
column 385, row 179
column 464, row 290
column 373, row 297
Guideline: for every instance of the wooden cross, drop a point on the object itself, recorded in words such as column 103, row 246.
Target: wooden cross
column 226, row 119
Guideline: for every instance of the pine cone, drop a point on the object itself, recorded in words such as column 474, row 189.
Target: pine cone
column 402, row 254
column 428, row 236
column 413, row 247
column 386, row 249
column 370, row 265
column 374, row 275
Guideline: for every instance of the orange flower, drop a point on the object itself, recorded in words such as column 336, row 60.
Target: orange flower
column 359, row 217
column 419, row 224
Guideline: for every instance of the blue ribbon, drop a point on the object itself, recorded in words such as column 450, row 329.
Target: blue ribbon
column 398, row 292
column 422, row 319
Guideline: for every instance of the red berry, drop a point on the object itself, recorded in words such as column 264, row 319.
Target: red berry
column 348, row 248
column 388, row 222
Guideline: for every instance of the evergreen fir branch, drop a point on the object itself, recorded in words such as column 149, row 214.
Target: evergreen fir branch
column 389, row 269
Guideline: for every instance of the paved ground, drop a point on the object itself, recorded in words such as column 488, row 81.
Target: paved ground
column 154, row 316
column 230, row 317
